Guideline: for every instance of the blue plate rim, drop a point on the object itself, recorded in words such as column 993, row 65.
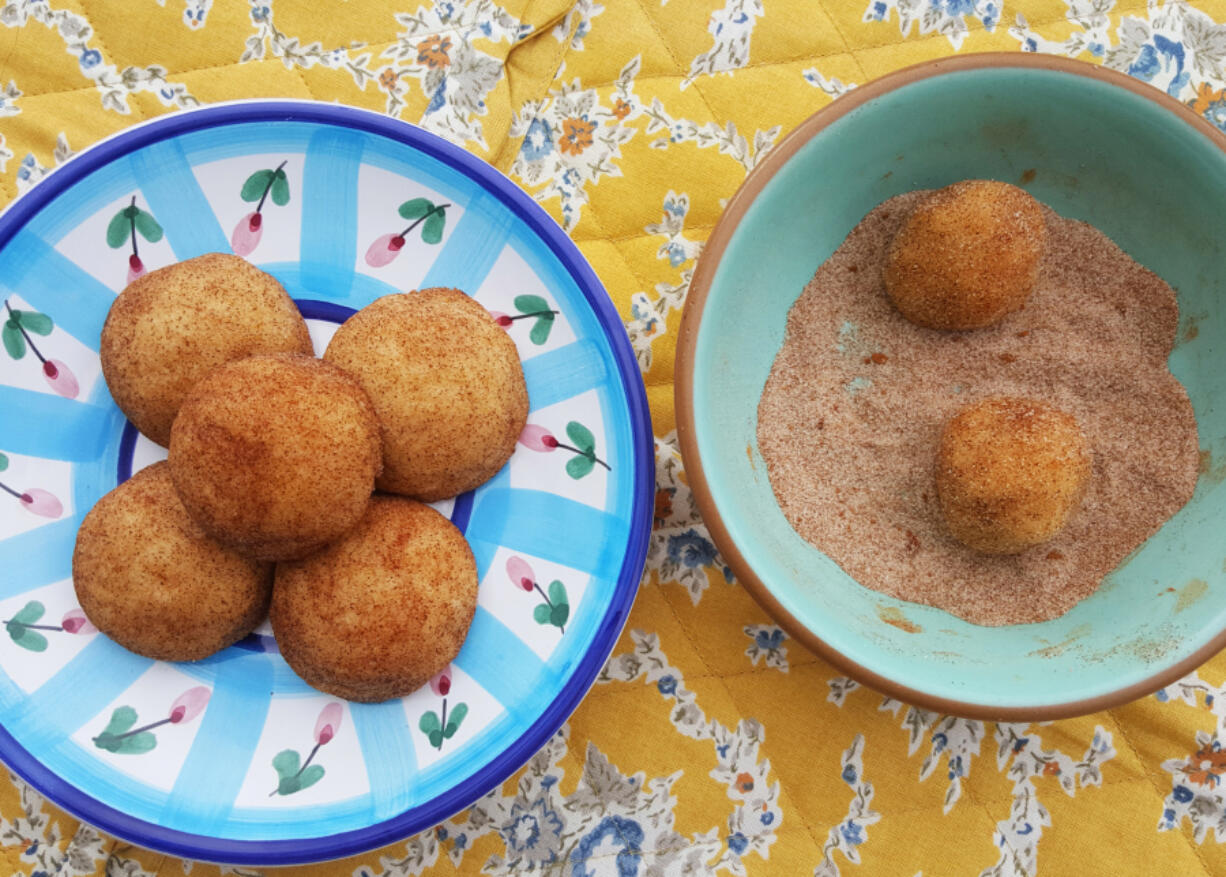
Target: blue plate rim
column 309, row 850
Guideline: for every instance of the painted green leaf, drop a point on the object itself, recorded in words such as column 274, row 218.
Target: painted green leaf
column 122, row 719
column 432, row 228
column 429, row 722
column 286, row 763
column 288, row 785
column 581, row 436
column 530, row 304
column 453, row 720
column 436, row 738
column 30, row 613
column 577, row 467
column 541, row 613
column 4, row 462
column 561, row 612
column 148, row 227
column 13, row 342
column 416, row 208
column 33, row 321
column 134, row 745
column 253, row 188
column 118, row 229
column 280, row 196
column 309, row 777
column 557, row 592
column 541, row 327
column 26, row 638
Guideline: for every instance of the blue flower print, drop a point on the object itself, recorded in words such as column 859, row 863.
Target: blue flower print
column 852, row 833
column 769, row 639
column 538, row 142
column 767, row 817
column 436, row 100
column 956, row 8
column 622, row 832
column 532, row 831
column 738, row 843
column 676, row 254
column 461, row 841
column 849, row 774
column 1162, row 696
column 939, row 742
column 955, row 767
column 1096, row 49
column 90, row 58
column 991, row 15
column 260, row 13
column 690, row 549
column 1030, row 45
column 1182, row 794
column 667, row 685
column 442, row 833
column 1146, row 66
column 1168, row 815
column 878, row 10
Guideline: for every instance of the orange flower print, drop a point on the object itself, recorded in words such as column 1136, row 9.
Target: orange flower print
column 744, row 783
column 388, row 79
column 576, row 135
column 1212, row 105
column 621, row 109
column 664, row 506
column 1207, row 766
column 1051, row 769
column 433, row 52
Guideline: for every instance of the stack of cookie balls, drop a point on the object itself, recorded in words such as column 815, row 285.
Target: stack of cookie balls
column 1010, row 471
column 266, row 504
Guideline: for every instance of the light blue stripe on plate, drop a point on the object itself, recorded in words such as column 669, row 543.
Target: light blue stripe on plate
column 79, row 692
column 387, row 750
column 207, row 784
column 473, row 246
column 328, row 245
column 38, row 557
column 552, row 528
column 50, row 426
column 563, row 373
column 57, row 286
column 176, row 200
column 501, row 663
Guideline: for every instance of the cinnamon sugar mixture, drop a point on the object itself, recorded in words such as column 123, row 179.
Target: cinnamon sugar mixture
column 852, row 412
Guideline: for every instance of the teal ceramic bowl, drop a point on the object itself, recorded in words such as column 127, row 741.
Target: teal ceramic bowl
column 1094, row 145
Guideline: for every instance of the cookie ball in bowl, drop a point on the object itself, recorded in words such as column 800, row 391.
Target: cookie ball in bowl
column 448, row 386
column 1010, row 473
column 171, row 327
column 967, row 256
column 377, row 614
column 149, row 577
column 275, row 456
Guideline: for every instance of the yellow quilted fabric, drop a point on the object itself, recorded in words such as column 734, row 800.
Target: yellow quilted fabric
column 712, row 742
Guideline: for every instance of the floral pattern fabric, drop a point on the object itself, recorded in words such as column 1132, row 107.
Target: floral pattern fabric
column 711, row 744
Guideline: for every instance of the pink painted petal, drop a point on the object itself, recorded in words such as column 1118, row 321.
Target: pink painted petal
column 441, row 684
column 247, row 234
column 537, row 438
column 61, row 378
column 501, row 319
column 40, row 502
column 329, row 722
column 383, row 250
column 135, row 268
column 74, row 621
column 189, row 704
column 521, row 574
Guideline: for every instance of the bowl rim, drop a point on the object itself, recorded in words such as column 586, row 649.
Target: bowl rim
column 691, row 320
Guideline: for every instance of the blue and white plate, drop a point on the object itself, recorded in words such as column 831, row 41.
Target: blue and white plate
column 234, row 759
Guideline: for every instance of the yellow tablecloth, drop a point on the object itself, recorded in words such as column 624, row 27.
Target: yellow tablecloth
column 711, row 742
